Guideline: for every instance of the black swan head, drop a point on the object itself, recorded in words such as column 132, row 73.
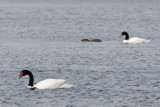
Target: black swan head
column 126, row 34
column 23, row 73
column 27, row 72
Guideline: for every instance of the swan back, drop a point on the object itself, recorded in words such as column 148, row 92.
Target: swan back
column 136, row 40
column 50, row 83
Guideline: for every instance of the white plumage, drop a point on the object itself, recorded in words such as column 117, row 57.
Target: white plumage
column 136, row 40
column 52, row 84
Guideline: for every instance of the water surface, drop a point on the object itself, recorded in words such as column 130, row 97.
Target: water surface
column 46, row 40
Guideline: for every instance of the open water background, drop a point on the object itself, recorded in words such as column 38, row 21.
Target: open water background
column 44, row 37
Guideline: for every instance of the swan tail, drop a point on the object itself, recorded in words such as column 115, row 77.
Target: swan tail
column 66, row 86
column 148, row 41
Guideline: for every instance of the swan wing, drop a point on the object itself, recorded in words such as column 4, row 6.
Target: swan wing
column 66, row 86
column 50, row 84
column 136, row 40
column 139, row 40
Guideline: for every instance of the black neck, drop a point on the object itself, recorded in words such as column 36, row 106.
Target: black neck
column 127, row 36
column 31, row 79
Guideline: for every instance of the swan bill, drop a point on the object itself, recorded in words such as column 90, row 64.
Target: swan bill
column 20, row 77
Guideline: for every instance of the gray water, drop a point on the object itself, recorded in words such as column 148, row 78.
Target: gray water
column 45, row 38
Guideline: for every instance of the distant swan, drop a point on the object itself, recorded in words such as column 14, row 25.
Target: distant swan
column 91, row 40
column 45, row 84
column 134, row 39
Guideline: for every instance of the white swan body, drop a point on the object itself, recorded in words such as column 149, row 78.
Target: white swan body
column 52, row 84
column 136, row 40
column 45, row 84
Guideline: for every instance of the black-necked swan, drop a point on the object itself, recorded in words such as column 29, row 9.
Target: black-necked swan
column 45, row 84
column 134, row 39
column 91, row 40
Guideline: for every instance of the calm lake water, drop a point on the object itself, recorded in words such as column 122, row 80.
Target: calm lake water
column 45, row 39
